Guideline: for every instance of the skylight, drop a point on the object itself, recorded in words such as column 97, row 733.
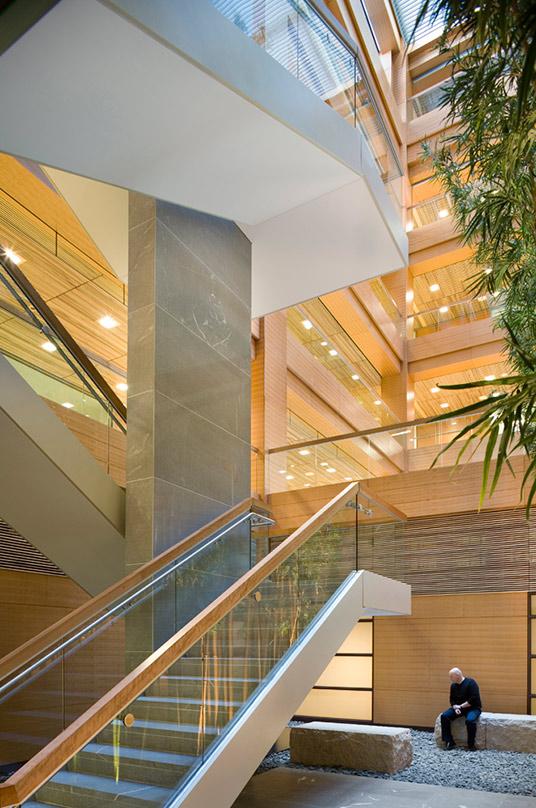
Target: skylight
column 407, row 11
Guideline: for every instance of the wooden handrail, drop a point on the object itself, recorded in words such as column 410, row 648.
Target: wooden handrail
column 25, row 782
column 42, row 642
column 57, row 327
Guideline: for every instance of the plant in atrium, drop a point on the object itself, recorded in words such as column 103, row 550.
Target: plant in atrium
column 488, row 168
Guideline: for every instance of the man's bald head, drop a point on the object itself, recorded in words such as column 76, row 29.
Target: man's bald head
column 456, row 676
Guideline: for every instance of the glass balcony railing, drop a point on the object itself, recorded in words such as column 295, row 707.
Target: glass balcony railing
column 453, row 314
column 59, row 372
column 299, row 37
column 428, row 211
column 426, row 101
column 364, row 455
column 335, row 350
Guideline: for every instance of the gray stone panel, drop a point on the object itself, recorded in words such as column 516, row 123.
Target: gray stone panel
column 180, row 512
column 198, row 455
column 195, row 295
column 191, row 373
column 218, row 243
column 141, row 436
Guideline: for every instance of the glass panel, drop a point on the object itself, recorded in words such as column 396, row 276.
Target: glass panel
column 351, row 705
column 347, row 671
column 359, row 641
column 300, row 39
column 533, row 605
column 426, row 101
column 533, row 706
column 533, row 636
column 178, row 720
column 453, row 314
column 430, row 210
column 56, row 376
column 533, row 676
column 61, row 685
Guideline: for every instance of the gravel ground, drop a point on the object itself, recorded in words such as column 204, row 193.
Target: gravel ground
column 486, row 770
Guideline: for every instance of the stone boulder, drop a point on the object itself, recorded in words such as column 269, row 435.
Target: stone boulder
column 351, row 746
column 508, row 732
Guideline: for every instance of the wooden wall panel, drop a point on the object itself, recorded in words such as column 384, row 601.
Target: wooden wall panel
column 485, row 635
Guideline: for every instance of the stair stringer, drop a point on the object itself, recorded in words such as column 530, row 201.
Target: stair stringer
column 221, row 778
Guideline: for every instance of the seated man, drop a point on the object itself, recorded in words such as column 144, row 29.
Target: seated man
column 464, row 700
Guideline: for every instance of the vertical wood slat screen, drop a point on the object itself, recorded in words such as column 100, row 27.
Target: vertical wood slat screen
column 487, row 551
column 16, row 553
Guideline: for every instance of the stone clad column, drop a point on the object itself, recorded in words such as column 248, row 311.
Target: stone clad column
column 189, row 327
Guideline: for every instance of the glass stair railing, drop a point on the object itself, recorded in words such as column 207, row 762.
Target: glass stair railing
column 39, row 347
column 50, row 681
column 146, row 739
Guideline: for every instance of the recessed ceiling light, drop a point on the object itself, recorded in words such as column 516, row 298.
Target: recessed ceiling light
column 482, row 398
column 333, row 352
column 348, row 479
column 304, row 452
column 402, row 432
column 377, row 402
column 123, row 386
column 488, row 271
column 495, row 394
column 504, row 375
column 482, row 299
column 307, row 485
column 331, row 470
column 67, row 405
column 323, row 343
column 434, row 287
column 309, row 473
column 410, row 395
column 324, row 464
column 409, row 227
column 434, row 389
column 410, row 295
column 355, row 377
column 289, row 477
column 282, row 471
column 454, row 423
column 444, row 405
column 13, row 256
column 48, row 346
column 490, row 378
column 307, row 324
column 443, row 309
column 108, row 322
column 443, row 213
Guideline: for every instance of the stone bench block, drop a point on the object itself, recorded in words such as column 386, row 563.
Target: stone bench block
column 508, row 732
column 351, row 746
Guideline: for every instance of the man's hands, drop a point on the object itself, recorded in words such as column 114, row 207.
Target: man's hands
column 457, row 709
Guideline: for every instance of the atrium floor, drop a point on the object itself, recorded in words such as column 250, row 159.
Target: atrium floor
column 300, row 788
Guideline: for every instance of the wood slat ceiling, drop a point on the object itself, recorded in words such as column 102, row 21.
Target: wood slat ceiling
column 428, row 403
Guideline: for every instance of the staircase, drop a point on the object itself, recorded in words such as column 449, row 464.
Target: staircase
column 190, row 723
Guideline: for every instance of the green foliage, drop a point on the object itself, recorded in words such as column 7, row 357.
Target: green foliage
column 488, row 167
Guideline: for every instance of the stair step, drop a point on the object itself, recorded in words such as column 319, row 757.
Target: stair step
column 160, row 736
column 80, row 790
column 184, row 711
column 136, row 765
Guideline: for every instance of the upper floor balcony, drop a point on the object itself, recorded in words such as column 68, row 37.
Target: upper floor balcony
column 174, row 100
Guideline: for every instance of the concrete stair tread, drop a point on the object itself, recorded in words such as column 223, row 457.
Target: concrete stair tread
column 105, row 785
column 186, row 678
column 187, row 701
column 132, row 753
column 166, row 726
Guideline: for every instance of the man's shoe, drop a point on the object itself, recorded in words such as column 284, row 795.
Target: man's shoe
column 450, row 745
column 472, row 749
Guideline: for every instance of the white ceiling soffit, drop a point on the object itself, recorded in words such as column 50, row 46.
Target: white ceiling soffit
column 87, row 91
column 330, row 242
column 102, row 210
